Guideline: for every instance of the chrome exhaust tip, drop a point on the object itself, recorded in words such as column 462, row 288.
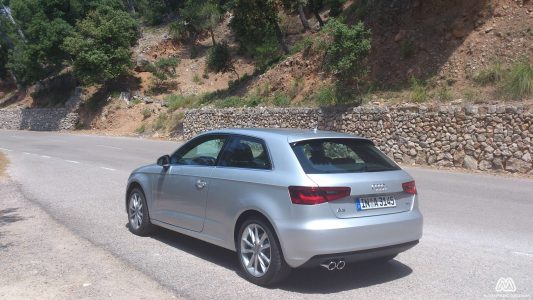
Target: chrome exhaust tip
column 341, row 264
column 332, row 265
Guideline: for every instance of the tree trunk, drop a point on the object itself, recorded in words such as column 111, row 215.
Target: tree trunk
column 10, row 17
column 131, row 5
column 316, row 12
column 212, row 36
column 303, row 18
column 279, row 37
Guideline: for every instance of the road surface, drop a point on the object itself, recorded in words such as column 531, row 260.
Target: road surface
column 478, row 228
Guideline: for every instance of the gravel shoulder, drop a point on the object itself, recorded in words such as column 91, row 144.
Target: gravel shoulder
column 42, row 259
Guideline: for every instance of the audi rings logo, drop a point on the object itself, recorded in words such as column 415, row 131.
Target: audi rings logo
column 379, row 187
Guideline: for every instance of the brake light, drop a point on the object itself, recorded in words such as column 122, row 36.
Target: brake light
column 409, row 187
column 315, row 195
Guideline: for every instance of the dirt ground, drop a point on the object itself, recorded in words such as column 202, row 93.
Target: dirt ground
column 41, row 259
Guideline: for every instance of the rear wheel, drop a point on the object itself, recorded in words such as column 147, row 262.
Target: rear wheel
column 260, row 255
column 138, row 217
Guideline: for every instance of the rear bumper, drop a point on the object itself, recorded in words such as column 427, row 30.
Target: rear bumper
column 362, row 255
column 359, row 238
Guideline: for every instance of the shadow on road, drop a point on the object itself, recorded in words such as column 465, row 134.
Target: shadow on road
column 313, row 280
column 9, row 215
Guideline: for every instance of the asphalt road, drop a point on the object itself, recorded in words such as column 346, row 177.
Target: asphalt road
column 478, row 228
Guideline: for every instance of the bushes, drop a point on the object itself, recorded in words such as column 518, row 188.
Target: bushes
column 419, row 91
column 515, row 82
column 219, row 59
column 518, row 83
column 348, row 46
column 162, row 70
column 490, row 75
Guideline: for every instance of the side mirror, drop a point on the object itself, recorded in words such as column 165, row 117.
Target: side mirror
column 164, row 161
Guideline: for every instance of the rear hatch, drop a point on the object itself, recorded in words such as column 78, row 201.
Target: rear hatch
column 371, row 194
column 377, row 185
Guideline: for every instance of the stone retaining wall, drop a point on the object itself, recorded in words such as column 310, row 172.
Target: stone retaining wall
column 38, row 119
column 478, row 137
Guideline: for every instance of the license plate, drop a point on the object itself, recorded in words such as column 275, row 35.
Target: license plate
column 365, row 203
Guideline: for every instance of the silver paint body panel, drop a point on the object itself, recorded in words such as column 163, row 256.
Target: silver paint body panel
column 304, row 231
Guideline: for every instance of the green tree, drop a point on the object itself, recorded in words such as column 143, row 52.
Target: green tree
column 219, row 59
column 153, row 11
column 348, row 46
column 256, row 26
column 335, row 7
column 100, row 46
column 202, row 15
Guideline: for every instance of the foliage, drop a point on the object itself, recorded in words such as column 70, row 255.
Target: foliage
column 178, row 31
column 38, row 47
column 153, row 11
column 197, row 79
column 348, row 46
column 146, row 113
column 493, row 74
column 100, row 46
column 266, row 54
column 335, row 7
column 419, row 91
column 141, row 129
column 281, row 99
column 162, row 69
column 518, row 84
column 303, row 44
column 256, row 28
column 444, row 94
column 219, row 59
column 325, row 95
column 201, row 15
column 296, row 87
column 179, row 101
column 160, row 122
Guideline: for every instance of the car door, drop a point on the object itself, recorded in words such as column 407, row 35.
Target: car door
column 181, row 190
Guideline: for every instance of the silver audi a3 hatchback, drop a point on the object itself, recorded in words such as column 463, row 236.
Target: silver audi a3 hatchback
column 281, row 199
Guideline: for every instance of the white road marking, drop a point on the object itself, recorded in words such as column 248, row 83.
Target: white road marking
column 111, row 147
column 109, row 169
column 27, row 153
column 72, row 161
column 6, row 149
column 45, row 156
column 523, row 253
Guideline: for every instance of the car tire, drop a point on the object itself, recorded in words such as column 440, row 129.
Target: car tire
column 138, row 216
column 252, row 264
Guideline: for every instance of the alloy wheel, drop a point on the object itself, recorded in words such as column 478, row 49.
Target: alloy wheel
column 255, row 250
column 135, row 211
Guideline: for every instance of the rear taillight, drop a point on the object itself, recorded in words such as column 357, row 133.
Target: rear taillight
column 315, row 195
column 409, row 187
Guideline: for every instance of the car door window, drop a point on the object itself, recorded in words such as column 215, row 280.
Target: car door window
column 200, row 152
column 246, row 152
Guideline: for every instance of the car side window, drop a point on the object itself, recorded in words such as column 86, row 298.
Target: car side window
column 201, row 152
column 246, row 152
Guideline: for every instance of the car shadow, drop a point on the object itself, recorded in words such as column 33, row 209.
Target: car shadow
column 9, row 215
column 353, row 276
column 310, row 280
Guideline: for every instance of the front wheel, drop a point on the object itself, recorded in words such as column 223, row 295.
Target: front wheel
column 260, row 255
column 138, row 217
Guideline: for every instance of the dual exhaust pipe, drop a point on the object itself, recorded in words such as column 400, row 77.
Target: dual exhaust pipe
column 334, row 265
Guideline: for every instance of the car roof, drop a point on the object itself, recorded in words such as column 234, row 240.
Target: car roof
column 289, row 134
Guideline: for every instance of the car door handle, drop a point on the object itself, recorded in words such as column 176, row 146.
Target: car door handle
column 200, row 184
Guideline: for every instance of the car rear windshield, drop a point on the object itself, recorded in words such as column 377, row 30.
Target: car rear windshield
column 322, row 156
